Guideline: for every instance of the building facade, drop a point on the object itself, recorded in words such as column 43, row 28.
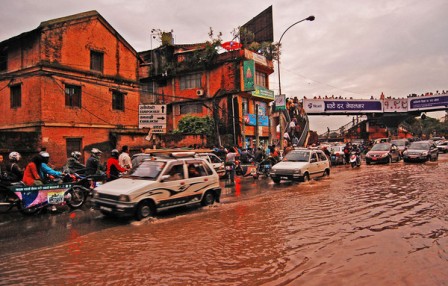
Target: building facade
column 231, row 87
column 70, row 84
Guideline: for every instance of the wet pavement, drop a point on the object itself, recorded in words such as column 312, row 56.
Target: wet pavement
column 375, row 225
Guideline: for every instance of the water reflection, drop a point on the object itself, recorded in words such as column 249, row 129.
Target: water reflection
column 377, row 225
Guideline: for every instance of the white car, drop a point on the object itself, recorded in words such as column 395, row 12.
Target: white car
column 301, row 164
column 162, row 182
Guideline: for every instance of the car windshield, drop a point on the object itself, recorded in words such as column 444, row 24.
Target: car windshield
column 381, row 147
column 419, row 146
column 148, row 170
column 298, row 156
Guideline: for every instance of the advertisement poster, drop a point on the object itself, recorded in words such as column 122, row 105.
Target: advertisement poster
column 249, row 75
column 427, row 102
column 322, row 106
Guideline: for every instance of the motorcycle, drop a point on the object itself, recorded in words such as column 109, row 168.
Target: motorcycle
column 264, row 167
column 355, row 159
column 32, row 199
column 83, row 186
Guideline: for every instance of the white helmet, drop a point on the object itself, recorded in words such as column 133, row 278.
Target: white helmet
column 14, row 156
column 44, row 154
column 76, row 155
column 96, row 151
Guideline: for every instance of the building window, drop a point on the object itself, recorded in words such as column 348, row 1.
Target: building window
column 260, row 79
column 118, row 100
column 16, row 96
column 3, row 59
column 190, row 108
column 190, row 81
column 96, row 61
column 73, row 144
column 72, row 96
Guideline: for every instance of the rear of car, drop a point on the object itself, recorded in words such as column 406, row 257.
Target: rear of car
column 382, row 153
column 158, row 184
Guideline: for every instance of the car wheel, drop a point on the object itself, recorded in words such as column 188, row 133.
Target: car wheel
column 276, row 180
column 208, row 199
column 326, row 173
column 389, row 160
column 367, row 162
column 306, row 177
column 145, row 209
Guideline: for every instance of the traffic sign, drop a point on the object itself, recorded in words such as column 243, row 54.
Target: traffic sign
column 152, row 116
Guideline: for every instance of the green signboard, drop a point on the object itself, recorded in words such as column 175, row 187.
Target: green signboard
column 263, row 92
column 249, row 75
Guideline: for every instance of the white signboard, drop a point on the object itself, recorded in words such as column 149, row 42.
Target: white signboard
column 152, row 116
column 395, row 105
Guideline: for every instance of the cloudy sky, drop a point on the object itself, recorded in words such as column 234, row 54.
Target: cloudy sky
column 354, row 48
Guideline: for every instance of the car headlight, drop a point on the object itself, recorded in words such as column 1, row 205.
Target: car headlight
column 368, row 155
column 124, row 198
column 95, row 195
column 405, row 152
column 424, row 153
column 384, row 155
column 297, row 171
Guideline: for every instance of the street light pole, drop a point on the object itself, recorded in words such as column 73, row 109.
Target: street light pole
column 310, row 18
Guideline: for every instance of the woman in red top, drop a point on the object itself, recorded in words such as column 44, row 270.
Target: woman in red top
column 31, row 174
column 113, row 168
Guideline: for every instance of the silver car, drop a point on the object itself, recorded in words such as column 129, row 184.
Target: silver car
column 301, row 165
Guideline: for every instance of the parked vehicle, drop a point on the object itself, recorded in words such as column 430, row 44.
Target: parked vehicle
column 215, row 161
column 383, row 153
column 421, row 151
column 170, row 180
column 301, row 164
column 443, row 146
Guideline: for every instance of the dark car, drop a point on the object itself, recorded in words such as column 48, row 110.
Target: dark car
column 383, row 153
column 421, row 151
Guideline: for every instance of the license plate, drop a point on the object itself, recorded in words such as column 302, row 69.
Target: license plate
column 55, row 198
column 374, row 159
column 106, row 209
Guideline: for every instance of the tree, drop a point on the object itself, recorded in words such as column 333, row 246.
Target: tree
column 195, row 125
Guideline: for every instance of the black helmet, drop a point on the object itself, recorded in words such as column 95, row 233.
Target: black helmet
column 114, row 153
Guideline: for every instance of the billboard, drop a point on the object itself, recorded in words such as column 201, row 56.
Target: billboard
column 261, row 26
column 395, row 105
column 427, row 102
column 342, row 106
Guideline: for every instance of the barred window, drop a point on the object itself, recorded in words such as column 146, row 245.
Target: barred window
column 118, row 100
column 191, row 108
column 16, row 96
column 72, row 95
column 96, row 61
column 4, row 59
column 190, row 81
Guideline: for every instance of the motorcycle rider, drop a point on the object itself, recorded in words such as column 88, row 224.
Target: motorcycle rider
column 31, row 176
column 73, row 164
column 93, row 163
column 45, row 170
column 15, row 173
column 113, row 168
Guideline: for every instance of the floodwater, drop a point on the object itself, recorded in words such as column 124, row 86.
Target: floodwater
column 376, row 225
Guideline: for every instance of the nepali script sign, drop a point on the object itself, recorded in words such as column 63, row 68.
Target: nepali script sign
column 152, row 116
column 427, row 102
column 341, row 106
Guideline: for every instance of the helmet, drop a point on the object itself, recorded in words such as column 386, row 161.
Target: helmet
column 44, row 154
column 114, row 153
column 96, row 151
column 76, row 155
column 14, row 156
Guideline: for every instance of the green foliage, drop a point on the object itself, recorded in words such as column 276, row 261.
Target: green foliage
column 428, row 126
column 195, row 125
column 246, row 38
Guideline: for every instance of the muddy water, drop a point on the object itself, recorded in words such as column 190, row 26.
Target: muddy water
column 377, row 225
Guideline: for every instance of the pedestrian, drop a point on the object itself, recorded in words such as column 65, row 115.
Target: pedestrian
column 230, row 161
column 125, row 159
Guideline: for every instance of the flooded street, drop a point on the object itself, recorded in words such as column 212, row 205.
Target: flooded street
column 376, row 225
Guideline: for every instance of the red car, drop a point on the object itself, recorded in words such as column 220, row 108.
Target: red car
column 383, row 153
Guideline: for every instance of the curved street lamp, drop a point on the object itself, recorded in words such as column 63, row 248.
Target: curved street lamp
column 310, row 18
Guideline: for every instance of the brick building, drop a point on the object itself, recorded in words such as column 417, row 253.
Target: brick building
column 229, row 87
column 70, row 84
